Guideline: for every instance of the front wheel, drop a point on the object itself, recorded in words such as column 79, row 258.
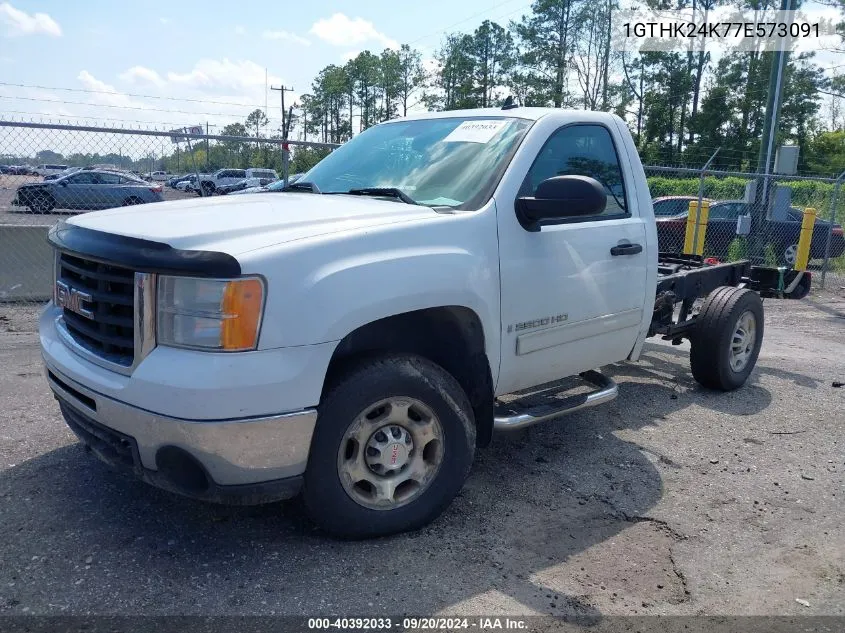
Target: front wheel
column 42, row 203
column 726, row 339
column 393, row 445
column 790, row 255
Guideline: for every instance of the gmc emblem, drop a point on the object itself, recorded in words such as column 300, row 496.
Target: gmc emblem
column 71, row 299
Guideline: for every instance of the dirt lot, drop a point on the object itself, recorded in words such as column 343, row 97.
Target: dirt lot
column 10, row 214
column 670, row 500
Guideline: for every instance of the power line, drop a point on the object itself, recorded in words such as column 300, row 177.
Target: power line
column 120, row 107
column 130, row 94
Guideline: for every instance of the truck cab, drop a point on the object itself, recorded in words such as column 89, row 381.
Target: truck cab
column 350, row 337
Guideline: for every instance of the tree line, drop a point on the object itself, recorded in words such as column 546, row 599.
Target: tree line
column 681, row 107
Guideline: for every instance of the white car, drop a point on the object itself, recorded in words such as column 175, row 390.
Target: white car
column 157, row 176
column 223, row 177
column 188, row 183
column 50, row 169
column 352, row 338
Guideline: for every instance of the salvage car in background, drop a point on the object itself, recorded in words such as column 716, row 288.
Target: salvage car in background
column 721, row 230
column 86, row 190
column 277, row 185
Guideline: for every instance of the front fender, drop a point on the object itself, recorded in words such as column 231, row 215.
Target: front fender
column 321, row 291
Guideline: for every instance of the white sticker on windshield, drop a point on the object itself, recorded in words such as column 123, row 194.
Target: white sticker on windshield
column 476, row 131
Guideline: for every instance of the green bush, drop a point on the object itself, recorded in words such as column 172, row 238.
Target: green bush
column 738, row 249
column 805, row 193
column 770, row 256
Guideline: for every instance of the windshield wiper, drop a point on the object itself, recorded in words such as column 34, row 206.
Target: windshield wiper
column 383, row 191
column 302, row 186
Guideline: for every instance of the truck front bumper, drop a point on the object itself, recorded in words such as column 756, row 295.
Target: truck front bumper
column 233, row 428
column 242, row 462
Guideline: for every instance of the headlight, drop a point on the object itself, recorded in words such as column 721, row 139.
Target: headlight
column 212, row 314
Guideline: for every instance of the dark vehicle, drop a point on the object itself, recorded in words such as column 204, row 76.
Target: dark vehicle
column 16, row 170
column 247, row 183
column 86, row 190
column 276, row 185
column 721, row 231
column 172, row 181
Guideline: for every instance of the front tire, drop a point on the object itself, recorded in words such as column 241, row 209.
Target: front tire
column 42, row 203
column 726, row 339
column 790, row 255
column 393, row 445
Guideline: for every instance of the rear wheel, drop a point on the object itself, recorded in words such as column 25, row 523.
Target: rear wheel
column 790, row 255
column 208, row 189
column 41, row 203
column 393, row 445
column 726, row 339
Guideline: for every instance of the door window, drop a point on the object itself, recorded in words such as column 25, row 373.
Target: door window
column 581, row 150
column 82, row 178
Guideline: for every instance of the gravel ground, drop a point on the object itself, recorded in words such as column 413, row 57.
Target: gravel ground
column 669, row 500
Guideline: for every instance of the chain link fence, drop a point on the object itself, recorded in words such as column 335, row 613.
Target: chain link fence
column 50, row 171
column 753, row 217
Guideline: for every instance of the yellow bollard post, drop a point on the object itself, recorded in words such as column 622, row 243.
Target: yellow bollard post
column 807, row 225
column 692, row 220
column 703, row 215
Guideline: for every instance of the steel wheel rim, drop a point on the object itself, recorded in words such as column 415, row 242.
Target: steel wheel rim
column 743, row 340
column 390, row 453
column 790, row 254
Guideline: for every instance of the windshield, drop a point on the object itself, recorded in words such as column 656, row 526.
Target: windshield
column 452, row 162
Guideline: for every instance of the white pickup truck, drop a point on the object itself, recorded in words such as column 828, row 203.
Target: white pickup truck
column 349, row 339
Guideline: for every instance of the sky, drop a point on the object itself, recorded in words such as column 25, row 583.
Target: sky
column 182, row 63
column 158, row 64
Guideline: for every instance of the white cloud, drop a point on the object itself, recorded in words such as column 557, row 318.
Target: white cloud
column 341, row 30
column 286, row 35
column 240, row 30
column 103, row 93
column 164, row 21
column 223, row 75
column 142, row 75
column 350, row 55
column 21, row 23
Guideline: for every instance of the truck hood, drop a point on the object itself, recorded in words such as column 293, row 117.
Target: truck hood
column 239, row 224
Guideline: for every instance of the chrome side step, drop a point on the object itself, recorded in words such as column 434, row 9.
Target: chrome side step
column 514, row 416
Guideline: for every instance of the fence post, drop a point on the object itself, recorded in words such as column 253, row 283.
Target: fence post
column 691, row 233
column 827, row 241
column 808, row 222
column 701, row 194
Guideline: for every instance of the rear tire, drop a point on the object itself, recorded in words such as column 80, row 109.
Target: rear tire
column 208, row 189
column 726, row 339
column 803, row 288
column 350, row 490
column 42, row 203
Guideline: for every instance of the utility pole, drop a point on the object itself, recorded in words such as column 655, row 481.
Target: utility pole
column 285, row 158
column 206, row 146
column 282, row 90
column 762, row 193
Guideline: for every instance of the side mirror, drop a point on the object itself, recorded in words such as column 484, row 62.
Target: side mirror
column 561, row 197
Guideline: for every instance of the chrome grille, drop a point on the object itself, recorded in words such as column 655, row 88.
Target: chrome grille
column 108, row 297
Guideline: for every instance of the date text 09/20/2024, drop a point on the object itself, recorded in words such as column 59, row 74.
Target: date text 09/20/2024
column 419, row 624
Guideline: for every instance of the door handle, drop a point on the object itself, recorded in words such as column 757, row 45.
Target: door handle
column 626, row 249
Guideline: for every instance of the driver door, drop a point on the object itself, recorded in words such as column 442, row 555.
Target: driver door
column 571, row 300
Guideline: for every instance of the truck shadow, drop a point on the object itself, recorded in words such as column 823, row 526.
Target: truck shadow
column 536, row 501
